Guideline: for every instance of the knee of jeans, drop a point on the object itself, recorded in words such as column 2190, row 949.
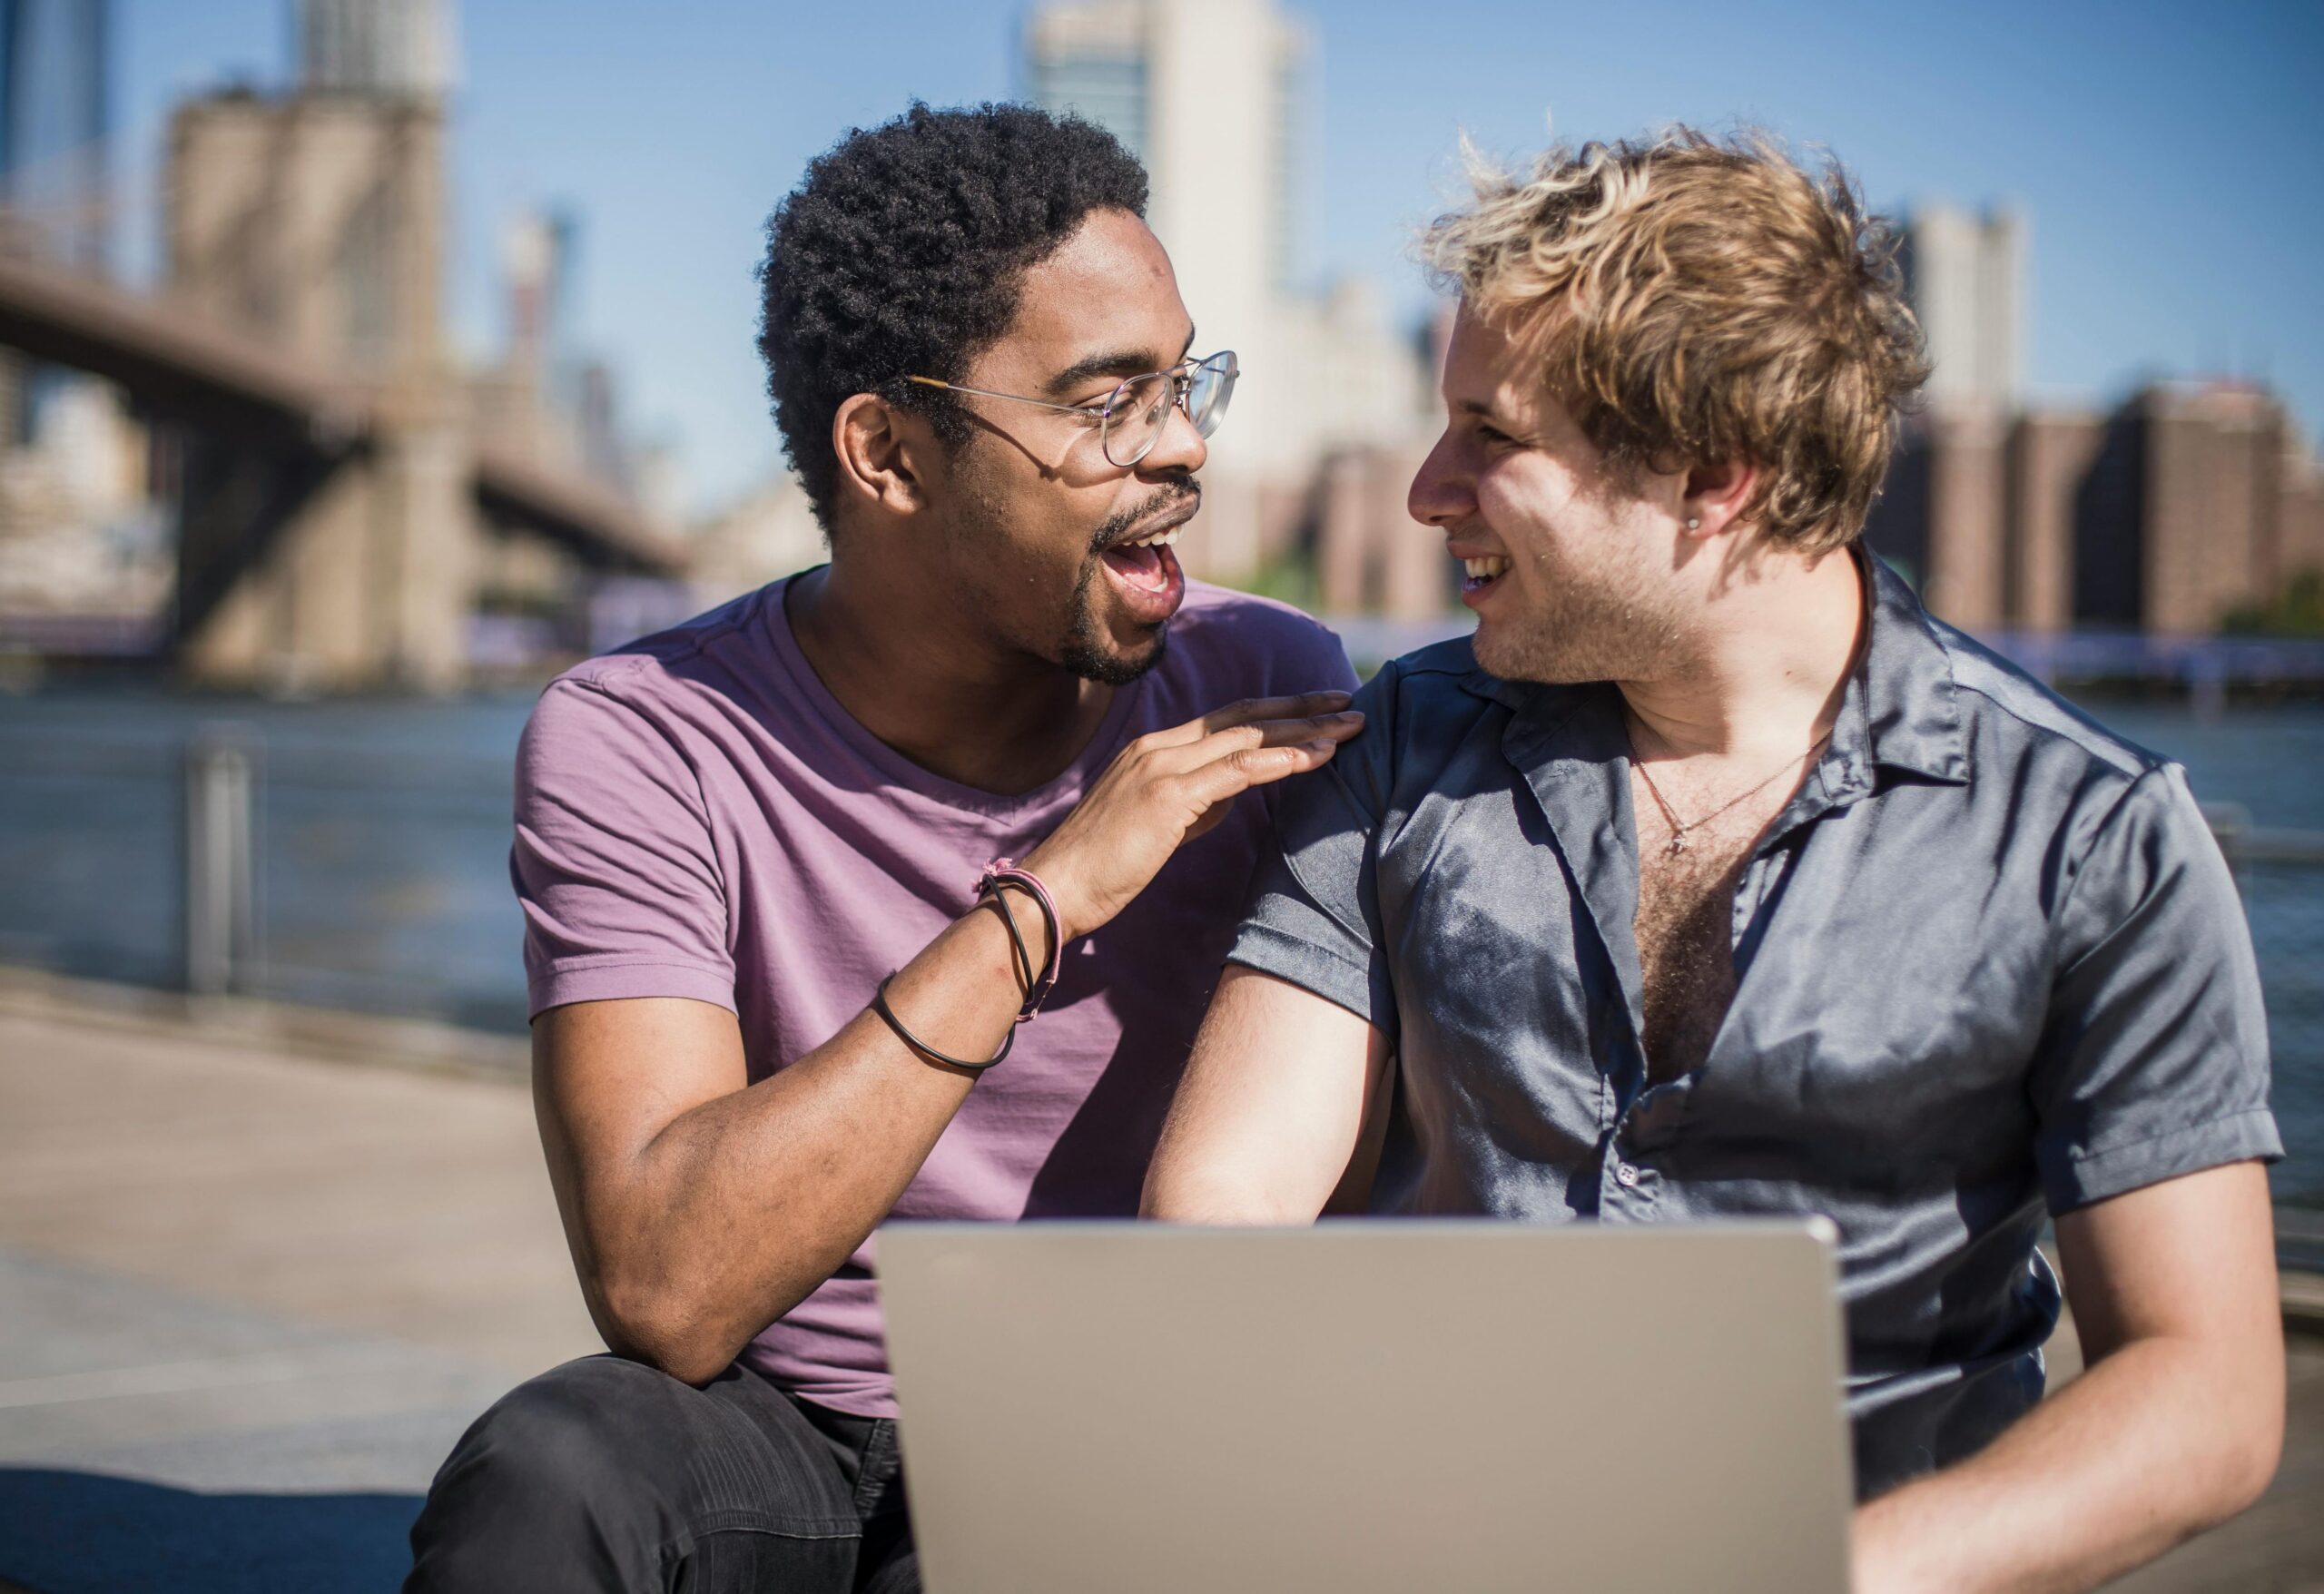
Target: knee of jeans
column 574, row 1444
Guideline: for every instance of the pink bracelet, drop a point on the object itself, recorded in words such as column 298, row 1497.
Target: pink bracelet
column 1002, row 871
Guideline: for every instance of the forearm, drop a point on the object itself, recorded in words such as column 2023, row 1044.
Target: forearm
column 2150, row 1446
column 741, row 1206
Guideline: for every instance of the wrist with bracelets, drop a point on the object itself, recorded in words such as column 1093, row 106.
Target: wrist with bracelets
column 999, row 875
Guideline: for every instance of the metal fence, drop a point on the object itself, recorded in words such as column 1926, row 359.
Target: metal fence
column 375, row 878
column 376, row 881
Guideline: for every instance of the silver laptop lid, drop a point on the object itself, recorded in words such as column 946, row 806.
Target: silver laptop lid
column 1369, row 1406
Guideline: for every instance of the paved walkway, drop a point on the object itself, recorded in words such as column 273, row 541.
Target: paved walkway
column 249, row 1298
column 250, row 1290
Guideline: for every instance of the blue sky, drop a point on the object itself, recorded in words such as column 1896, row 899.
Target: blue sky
column 2170, row 156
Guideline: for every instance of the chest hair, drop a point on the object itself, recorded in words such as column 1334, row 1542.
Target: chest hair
column 1686, row 906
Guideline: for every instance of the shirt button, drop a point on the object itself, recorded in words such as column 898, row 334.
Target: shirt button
column 1626, row 1176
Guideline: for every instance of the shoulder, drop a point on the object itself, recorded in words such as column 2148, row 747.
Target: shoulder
column 643, row 700
column 1421, row 709
column 650, row 676
column 1241, row 637
column 1433, row 687
column 2001, row 703
column 660, row 662
column 2108, row 798
column 1449, row 666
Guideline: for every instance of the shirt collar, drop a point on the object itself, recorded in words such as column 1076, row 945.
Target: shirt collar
column 1899, row 710
column 1903, row 691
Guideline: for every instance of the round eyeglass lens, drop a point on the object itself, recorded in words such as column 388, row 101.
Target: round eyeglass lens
column 1209, row 389
column 1135, row 420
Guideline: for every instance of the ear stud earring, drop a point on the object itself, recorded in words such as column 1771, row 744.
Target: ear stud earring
column 1694, row 523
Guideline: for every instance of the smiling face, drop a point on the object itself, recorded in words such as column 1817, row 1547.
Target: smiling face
column 1053, row 545
column 1574, row 575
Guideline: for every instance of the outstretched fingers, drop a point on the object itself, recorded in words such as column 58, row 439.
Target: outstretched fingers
column 1254, row 755
column 1305, row 706
column 1251, row 709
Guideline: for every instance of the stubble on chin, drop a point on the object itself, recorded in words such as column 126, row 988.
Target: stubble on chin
column 1607, row 634
column 1089, row 652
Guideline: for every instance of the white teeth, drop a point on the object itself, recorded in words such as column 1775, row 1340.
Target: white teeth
column 1160, row 539
column 1487, row 567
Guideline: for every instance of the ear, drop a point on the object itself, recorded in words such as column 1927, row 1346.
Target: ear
column 1715, row 497
column 878, row 448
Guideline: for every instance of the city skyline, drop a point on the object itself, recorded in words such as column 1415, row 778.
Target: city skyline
column 732, row 103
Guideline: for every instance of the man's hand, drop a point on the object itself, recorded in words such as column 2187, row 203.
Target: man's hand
column 2175, row 1426
column 1167, row 788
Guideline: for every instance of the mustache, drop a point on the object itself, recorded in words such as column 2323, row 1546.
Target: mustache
column 1117, row 525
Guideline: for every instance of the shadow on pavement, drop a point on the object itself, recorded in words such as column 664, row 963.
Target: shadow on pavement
column 65, row 1532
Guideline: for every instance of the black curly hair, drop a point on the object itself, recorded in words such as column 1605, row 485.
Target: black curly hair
column 901, row 251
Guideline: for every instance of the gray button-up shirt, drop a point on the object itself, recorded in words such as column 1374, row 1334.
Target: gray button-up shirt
column 1987, row 958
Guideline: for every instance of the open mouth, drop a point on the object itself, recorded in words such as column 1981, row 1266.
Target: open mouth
column 1482, row 572
column 1145, row 574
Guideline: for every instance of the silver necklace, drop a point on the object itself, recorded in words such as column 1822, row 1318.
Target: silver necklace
column 1678, row 828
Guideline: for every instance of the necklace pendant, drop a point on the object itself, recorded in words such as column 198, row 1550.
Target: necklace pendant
column 1677, row 845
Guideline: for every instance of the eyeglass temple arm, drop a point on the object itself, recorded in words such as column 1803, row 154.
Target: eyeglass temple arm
column 989, row 393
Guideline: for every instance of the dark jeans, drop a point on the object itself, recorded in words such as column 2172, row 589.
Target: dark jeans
column 605, row 1474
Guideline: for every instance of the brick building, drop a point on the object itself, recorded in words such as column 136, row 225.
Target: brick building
column 2189, row 502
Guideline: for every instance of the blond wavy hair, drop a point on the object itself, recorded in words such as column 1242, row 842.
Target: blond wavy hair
column 1695, row 300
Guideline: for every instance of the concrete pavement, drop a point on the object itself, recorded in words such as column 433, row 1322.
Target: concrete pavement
column 251, row 1289
column 251, row 1292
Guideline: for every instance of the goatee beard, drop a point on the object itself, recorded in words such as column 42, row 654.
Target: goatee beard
column 1088, row 652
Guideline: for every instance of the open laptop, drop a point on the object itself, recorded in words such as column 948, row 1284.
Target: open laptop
column 1369, row 1406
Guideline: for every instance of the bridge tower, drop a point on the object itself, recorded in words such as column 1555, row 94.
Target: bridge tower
column 316, row 221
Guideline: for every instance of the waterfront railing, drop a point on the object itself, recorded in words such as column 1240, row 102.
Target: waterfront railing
column 224, row 864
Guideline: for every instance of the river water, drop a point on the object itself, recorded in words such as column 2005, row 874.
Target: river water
column 383, row 838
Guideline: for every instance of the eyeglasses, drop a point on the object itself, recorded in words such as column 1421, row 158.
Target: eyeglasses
column 1130, row 420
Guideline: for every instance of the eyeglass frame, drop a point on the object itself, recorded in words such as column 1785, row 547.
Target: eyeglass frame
column 1182, row 386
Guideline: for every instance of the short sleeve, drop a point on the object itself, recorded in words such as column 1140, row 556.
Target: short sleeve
column 2154, row 1058
column 613, row 862
column 1314, row 916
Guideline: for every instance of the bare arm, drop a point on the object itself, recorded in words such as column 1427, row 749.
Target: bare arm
column 2176, row 1426
column 700, row 1209
column 1270, row 1117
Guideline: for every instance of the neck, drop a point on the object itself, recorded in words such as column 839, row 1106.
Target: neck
column 1765, row 678
column 912, row 670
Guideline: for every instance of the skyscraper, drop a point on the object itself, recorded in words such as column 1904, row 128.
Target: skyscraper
column 54, row 121
column 381, row 47
column 1091, row 59
column 1211, row 94
column 1965, row 275
column 1214, row 96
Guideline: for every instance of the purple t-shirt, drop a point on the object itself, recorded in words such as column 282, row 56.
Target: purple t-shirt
column 697, row 816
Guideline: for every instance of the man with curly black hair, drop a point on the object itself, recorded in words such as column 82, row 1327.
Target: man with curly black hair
column 770, row 1010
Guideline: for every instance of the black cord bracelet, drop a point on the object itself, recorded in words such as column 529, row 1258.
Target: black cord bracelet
column 1037, row 985
column 887, row 1016
column 1023, row 959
